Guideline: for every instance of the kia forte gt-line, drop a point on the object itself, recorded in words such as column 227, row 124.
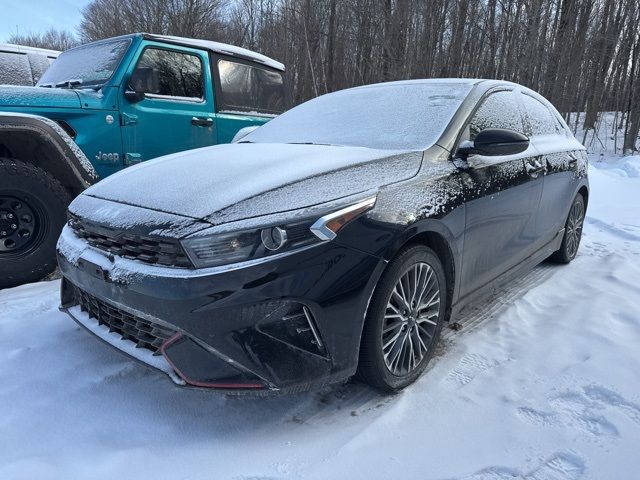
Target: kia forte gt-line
column 336, row 239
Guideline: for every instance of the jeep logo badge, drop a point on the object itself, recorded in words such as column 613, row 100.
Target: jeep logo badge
column 107, row 157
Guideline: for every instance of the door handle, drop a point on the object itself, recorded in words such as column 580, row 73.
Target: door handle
column 533, row 169
column 202, row 121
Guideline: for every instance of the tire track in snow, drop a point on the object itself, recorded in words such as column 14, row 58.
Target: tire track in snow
column 559, row 466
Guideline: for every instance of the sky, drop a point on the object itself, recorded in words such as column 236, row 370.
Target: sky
column 26, row 16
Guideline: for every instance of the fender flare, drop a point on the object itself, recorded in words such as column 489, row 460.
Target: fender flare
column 63, row 158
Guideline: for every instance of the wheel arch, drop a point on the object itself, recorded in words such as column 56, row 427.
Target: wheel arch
column 41, row 142
column 584, row 191
column 438, row 237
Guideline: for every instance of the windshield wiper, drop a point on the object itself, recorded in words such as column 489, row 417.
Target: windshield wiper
column 69, row 83
column 46, row 85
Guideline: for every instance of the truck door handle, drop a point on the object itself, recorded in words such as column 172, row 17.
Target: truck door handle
column 202, row 121
column 534, row 168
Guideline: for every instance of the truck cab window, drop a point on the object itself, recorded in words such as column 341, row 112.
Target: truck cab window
column 247, row 88
column 169, row 73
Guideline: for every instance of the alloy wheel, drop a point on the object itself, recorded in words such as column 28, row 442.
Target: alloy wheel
column 574, row 228
column 410, row 319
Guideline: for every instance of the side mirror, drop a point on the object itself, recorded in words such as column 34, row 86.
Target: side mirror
column 243, row 132
column 134, row 97
column 496, row 141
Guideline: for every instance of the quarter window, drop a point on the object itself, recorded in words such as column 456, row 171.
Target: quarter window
column 541, row 120
column 247, row 88
column 169, row 73
column 499, row 110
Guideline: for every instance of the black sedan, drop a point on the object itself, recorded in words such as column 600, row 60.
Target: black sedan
column 336, row 239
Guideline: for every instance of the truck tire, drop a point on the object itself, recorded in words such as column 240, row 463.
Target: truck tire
column 32, row 213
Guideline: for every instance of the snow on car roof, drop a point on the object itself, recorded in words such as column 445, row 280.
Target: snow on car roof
column 435, row 81
column 12, row 48
column 223, row 48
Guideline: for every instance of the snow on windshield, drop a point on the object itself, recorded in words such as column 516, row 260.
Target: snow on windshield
column 400, row 116
column 93, row 64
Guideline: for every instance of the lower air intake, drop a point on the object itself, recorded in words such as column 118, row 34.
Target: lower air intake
column 142, row 332
column 295, row 324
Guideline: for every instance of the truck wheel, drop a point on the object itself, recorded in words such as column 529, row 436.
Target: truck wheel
column 32, row 213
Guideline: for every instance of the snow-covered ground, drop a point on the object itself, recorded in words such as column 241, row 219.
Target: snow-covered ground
column 541, row 383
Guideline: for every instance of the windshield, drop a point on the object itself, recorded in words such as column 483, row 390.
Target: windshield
column 401, row 116
column 87, row 66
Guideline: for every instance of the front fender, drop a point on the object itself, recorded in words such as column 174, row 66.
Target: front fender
column 42, row 142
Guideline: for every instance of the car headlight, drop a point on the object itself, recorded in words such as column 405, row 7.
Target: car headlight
column 233, row 247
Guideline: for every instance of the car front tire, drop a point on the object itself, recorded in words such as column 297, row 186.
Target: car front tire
column 404, row 320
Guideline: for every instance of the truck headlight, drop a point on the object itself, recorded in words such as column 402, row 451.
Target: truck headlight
column 234, row 247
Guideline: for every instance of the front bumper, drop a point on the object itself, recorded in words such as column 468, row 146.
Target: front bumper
column 288, row 323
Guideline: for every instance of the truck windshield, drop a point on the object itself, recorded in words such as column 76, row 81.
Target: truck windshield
column 396, row 116
column 87, row 66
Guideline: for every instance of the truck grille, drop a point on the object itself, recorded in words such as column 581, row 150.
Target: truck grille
column 142, row 332
column 151, row 250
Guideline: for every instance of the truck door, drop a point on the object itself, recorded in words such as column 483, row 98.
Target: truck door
column 176, row 112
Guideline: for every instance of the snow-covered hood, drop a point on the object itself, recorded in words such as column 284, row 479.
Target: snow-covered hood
column 232, row 182
column 14, row 96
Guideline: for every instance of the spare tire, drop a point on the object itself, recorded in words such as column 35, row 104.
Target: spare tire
column 33, row 208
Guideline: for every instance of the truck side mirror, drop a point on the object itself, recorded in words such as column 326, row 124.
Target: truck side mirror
column 134, row 97
column 143, row 80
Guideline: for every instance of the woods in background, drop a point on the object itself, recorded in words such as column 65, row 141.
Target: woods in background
column 583, row 55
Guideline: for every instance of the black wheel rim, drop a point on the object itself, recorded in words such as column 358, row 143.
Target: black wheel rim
column 574, row 228
column 410, row 319
column 22, row 224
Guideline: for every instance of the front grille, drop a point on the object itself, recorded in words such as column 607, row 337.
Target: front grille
column 142, row 332
column 153, row 250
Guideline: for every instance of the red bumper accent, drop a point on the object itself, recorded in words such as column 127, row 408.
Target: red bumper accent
column 196, row 383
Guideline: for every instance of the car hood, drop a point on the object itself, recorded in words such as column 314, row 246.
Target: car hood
column 14, row 96
column 237, row 181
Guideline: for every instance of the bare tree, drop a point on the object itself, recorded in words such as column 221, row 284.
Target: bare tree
column 584, row 55
column 52, row 39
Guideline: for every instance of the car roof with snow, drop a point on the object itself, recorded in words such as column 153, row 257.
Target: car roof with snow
column 219, row 47
column 484, row 82
column 12, row 48
column 216, row 47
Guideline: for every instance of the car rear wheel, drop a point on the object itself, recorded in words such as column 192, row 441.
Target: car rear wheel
column 404, row 320
column 572, row 232
column 32, row 213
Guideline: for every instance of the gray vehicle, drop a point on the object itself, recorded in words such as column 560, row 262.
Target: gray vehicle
column 20, row 65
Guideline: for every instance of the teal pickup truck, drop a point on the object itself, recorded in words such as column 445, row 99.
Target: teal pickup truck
column 109, row 104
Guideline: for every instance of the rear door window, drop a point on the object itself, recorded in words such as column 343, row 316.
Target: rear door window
column 168, row 73
column 247, row 88
column 498, row 110
column 541, row 120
